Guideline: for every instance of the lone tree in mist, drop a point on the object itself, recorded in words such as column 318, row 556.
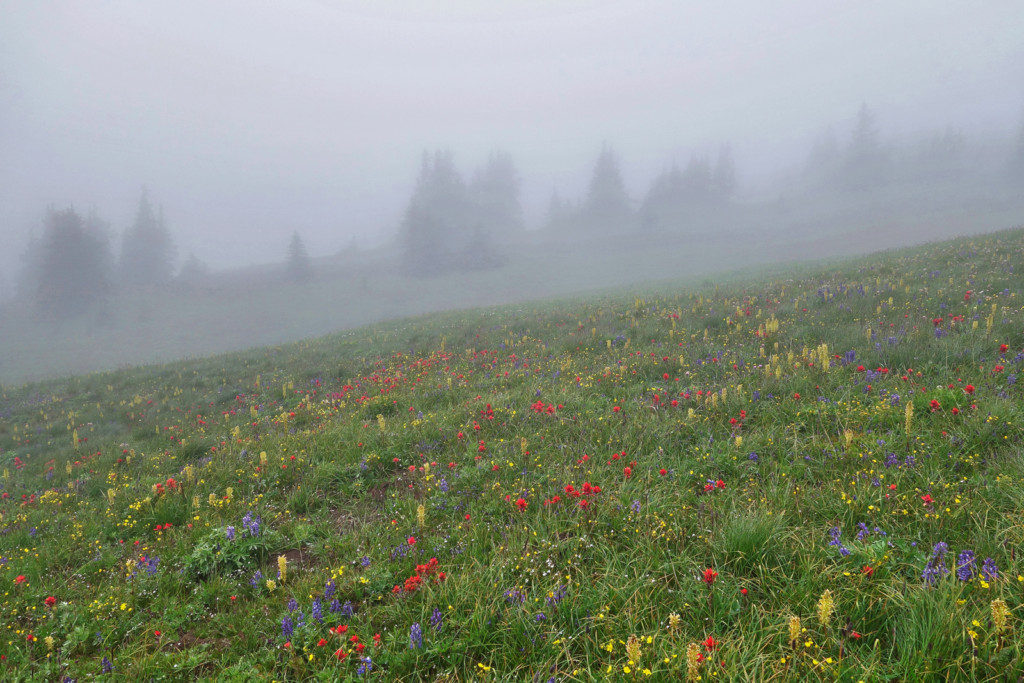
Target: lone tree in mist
column 66, row 268
column 723, row 178
column 607, row 208
column 435, row 229
column 298, row 267
column 664, row 206
column 1016, row 165
column 147, row 250
column 867, row 165
column 560, row 213
column 494, row 194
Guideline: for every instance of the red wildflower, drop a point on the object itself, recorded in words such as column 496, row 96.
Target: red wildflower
column 50, row 601
column 710, row 644
column 521, row 504
column 927, row 498
column 710, row 575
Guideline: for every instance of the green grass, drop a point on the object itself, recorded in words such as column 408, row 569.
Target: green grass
column 348, row 446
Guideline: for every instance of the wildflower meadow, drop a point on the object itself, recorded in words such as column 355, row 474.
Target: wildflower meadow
column 814, row 474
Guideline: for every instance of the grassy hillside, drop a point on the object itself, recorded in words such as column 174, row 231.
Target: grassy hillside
column 815, row 476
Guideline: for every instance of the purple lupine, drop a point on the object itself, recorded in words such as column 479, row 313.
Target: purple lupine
column 256, row 579
column 557, row 595
column 230, row 533
column 251, row 524
column 437, row 619
column 835, row 533
column 365, row 666
column 989, row 570
column 316, row 610
column 329, row 589
column 335, row 605
column 347, row 610
column 966, row 565
column 106, row 666
column 293, row 605
column 415, row 636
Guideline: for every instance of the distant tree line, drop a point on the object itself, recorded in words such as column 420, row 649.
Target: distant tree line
column 449, row 224
column 452, row 224
column 70, row 268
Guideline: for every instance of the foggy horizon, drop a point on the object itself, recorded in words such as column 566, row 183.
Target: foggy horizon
column 248, row 123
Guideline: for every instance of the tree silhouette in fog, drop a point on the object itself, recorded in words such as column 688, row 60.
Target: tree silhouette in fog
column 494, row 194
column 867, row 165
column 607, row 208
column 298, row 267
column 66, row 268
column 443, row 229
column 147, row 249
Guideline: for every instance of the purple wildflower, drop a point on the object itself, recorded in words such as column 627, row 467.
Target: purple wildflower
column 415, row 636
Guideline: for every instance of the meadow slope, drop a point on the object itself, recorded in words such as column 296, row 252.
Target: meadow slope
column 810, row 477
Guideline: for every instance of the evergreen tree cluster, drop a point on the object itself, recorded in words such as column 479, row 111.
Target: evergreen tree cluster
column 449, row 224
column 70, row 268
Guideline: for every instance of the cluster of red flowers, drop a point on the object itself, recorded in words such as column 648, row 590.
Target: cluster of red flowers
column 588, row 489
column 428, row 570
column 171, row 485
column 709, row 486
column 539, row 407
column 357, row 645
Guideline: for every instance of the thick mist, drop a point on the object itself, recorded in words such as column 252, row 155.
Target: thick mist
column 179, row 179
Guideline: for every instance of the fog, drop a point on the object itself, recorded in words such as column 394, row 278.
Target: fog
column 885, row 122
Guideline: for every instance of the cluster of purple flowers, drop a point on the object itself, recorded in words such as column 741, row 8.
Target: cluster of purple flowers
column 251, row 524
column 437, row 619
column 966, row 566
column 415, row 636
column 557, row 595
column 835, row 540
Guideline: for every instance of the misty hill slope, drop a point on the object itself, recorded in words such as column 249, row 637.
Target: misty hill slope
column 813, row 476
column 257, row 306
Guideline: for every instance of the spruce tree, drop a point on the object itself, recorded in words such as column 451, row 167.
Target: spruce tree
column 69, row 266
column 147, row 249
column 298, row 266
column 495, row 199
column 607, row 208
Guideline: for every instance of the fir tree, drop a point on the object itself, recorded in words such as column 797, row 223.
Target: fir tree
column 298, row 266
column 68, row 265
column 147, row 250
column 495, row 198
column 607, row 208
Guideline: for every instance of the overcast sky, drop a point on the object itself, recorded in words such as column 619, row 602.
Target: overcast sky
column 249, row 120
